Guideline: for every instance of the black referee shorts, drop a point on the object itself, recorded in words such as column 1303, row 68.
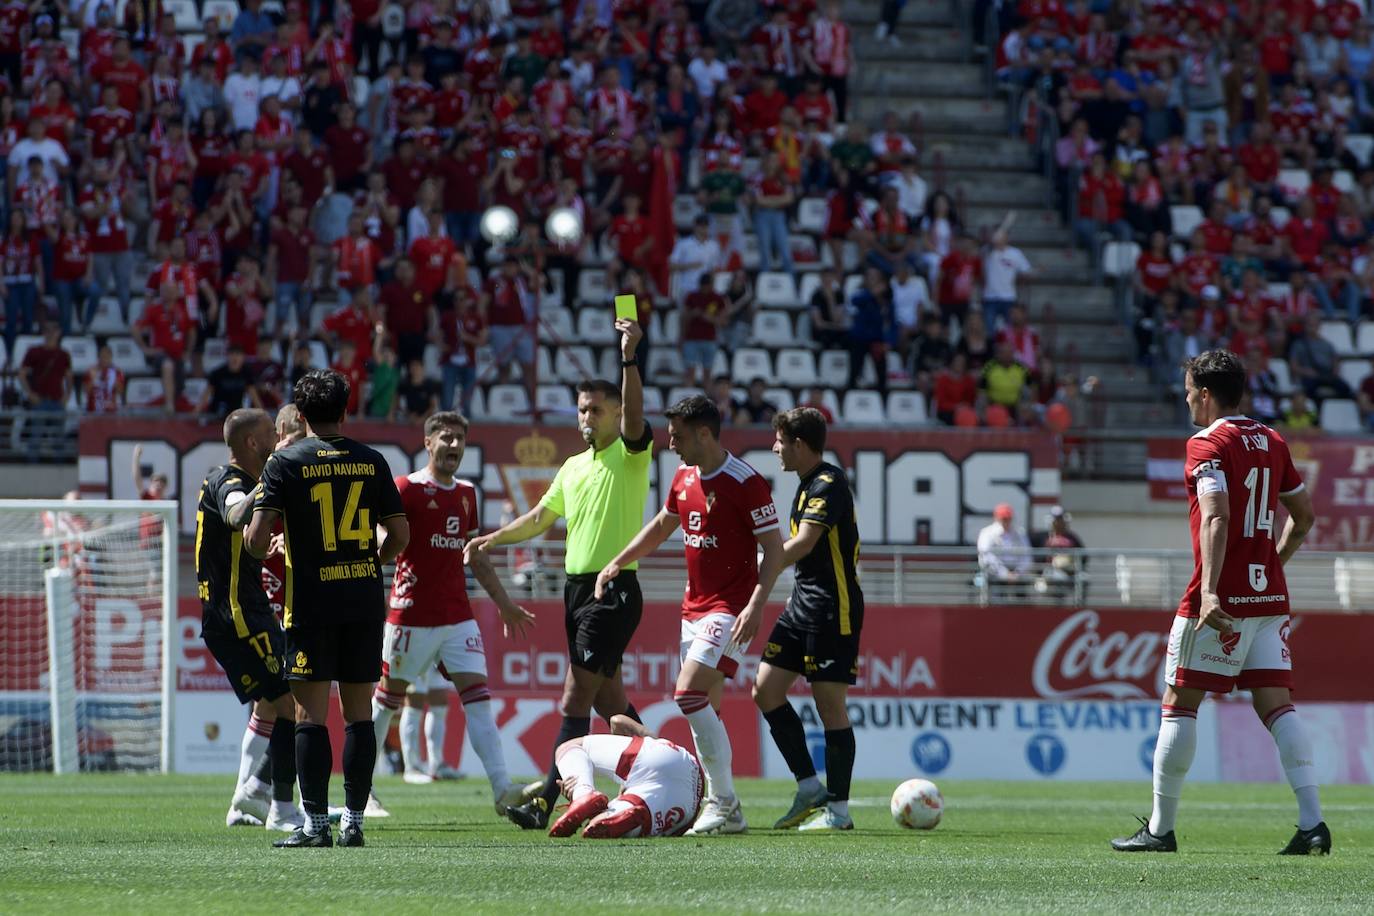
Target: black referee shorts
column 253, row 663
column 347, row 651
column 823, row 656
column 599, row 631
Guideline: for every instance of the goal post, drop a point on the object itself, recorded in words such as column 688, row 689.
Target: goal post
column 88, row 635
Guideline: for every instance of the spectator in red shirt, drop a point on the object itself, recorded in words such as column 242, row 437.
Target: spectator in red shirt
column 631, row 238
column 464, row 331
column 104, row 203
column 350, row 150
column 961, row 275
column 407, row 312
column 462, row 172
column 347, row 364
column 73, row 273
column 23, row 278
column 355, row 258
column 1305, row 233
column 126, row 75
column 292, row 259
column 763, row 106
column 1101, row 205
column 165, row 334
column 245, row 303
column 704, row 314
column 508, row 316
column 354, row 321
column 104, row 383
column 46, row 372
column 955, row 387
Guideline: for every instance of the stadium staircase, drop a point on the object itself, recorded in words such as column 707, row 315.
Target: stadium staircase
column 936, row 82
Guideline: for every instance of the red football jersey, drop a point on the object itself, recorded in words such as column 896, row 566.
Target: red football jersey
column 429, row 588
column 1250, row 463
column 721, row 515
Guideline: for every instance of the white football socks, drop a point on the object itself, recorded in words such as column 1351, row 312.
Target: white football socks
column 1299, row 764
column 384, row 706
column 436, row 727
column 485, row 738
column 714, row 752
column 575, row 766
column 410, row 738
column 1174, row 750
column 256, row 738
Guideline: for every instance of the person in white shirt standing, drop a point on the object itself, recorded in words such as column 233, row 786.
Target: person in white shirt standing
column 242, row 92
column 37, row 144
column 1003, row 264
column 707, row 71
column 1004, row 552
column 692, row 256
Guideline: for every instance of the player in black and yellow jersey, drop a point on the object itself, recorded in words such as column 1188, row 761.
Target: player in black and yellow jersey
column 239, row 628
column 817, row 636
column 330, row 493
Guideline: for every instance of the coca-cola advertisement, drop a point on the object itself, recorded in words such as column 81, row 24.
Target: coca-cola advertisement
column 1339, row 473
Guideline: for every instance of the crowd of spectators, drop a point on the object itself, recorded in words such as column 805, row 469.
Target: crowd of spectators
column 220, row 184
column 1254, row 114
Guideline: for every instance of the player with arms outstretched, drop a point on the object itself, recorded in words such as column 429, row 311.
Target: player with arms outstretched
column 241, row 631
column 327, row 490
column 817, row 635
column 660, row 785
column 725, row 508
column 431, row 618
column 1232, row 624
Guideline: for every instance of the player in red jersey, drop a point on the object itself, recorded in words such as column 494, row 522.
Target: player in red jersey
column 1232, row 624
column 431, row 618
column 724, row 507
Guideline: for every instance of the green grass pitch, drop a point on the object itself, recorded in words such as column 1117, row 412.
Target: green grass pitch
column 142, row 844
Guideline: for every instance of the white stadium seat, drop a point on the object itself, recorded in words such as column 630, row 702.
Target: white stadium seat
column 216, row 352
column 194, row 389
column 678, row 392
column 1282, row 377
column 591, row 287
column 1364, row 340
column 1294, row 182
column 776, row 290
column 1354, row 582
column 863, row 407
column 226, row 11
column 556, row 326
column 543, row 363
column 128, row 358
column 907, row 408
column 1118, row 258
column 572, row 364
column 555, row 398
column 185, row 12
column 1340, row 416
column 1337, row 333
column 596, row 326
column 653, row 399
column 1280, row 216
column 664, row 363
column 852, row 284
column 83, row 351
column 507, row 402
column 1343, row 181
column 781, row 398
column 1184, row 218
column 1360, row 146
column 810, row 282
column 773, row 329
column 834, row 369
column 1354, row 371
column 812, row 214
column 143, row 391
column 796, row 367
column 750, row 363
column 685, row 210
column 671, row 328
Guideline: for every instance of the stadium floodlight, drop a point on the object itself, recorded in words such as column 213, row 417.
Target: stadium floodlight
column 88, row 589
column 499, row 225
column 564, row 226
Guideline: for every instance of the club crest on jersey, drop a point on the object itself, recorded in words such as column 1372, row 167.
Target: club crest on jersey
column 710, row 500
column 1229, row 641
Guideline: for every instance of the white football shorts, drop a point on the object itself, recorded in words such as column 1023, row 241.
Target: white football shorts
column 656, row 776
column 409, row 653
column 1254, row 655
column 707, row 642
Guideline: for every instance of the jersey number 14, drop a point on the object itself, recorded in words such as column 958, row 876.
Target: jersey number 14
column 354, row 526
column 1258, row 517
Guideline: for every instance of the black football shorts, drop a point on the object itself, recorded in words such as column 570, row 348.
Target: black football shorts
column 818, row 656
column 253, row 663
column 347, row 651
column 599, row 631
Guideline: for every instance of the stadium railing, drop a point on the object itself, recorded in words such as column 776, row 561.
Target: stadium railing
column 1097, row 578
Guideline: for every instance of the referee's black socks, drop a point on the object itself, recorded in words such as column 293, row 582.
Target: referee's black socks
column 314, row 760
column 790, row 737
column 281, row 754
column 573, row 727
column 839, row 762
column 359, row 760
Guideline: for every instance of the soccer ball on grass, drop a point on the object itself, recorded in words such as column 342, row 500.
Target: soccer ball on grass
column 917, row 805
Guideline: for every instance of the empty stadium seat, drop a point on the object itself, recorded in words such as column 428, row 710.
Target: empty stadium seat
column 1337, row 333
column 1280, row 216
column 555, row 398
column 319, row 355
column 1354, row 371
column 1118, row 258
column 1184, row 218
column 653, row 399
column 185, row 12
column 810, row 282
column 478, row 408
column 750, row 252
column 863, row 407
column 1340, row 416
column 215, row 354
column 596, row 326
column 1360, row 146
column 685, row 210
column 556, row 326
column 1294, row 182
column 107, row 319
column 591, row 287
column 1342, row 180
column 750, row 363
column 573, row 363
column 143, row 391
column 1364, row 339
column 796, row 367
column 852, row 284
column 773, row 329
column 775, row 289
column 812, row 215
column 1283, row 378
column 226, row 11
column 671, row 332
column 608, row 364
column 906, row 408
column 194, row 389
column 128, row 358
column 507, row 402
column 664, row 363
column 781, row 398
column 678, row 392
column 543, row 363
column 834, row 369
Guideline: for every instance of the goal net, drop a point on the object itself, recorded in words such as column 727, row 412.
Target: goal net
column 87, row 615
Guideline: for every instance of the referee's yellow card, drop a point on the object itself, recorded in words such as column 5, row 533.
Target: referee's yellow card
column 625, row 307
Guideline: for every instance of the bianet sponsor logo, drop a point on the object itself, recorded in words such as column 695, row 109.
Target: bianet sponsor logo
column 700, row 541
column 1078, row 659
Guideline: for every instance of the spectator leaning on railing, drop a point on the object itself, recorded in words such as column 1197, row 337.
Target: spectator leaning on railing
column 1004, row 552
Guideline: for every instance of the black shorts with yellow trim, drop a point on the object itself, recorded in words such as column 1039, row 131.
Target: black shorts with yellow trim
column 253, row 663
column 825, row 655
column 347, row 651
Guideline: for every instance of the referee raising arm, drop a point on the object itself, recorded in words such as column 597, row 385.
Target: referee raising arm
column 330, row 493
column 601, row 492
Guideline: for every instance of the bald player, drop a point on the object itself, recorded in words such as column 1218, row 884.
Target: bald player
column 239, row 628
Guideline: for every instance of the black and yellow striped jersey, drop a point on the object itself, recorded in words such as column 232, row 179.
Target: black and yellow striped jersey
column 228, row 578
column 331, row 492
column 826, row 596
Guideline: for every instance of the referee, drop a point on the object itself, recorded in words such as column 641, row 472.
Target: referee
column 601, row 492
column 330, row 493
column 817, row 635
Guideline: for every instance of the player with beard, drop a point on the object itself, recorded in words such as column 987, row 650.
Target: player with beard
column 601, row 493
column 239, row 628
column 431, row 618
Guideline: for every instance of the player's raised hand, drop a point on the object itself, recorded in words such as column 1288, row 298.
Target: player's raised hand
column 516, row 620
column 604, row 577
column 1213, row 616
column 482, row 543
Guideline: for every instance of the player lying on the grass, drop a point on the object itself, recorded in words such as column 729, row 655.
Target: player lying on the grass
column 1232, row 624
column 817, row 635
column 241, row 631
column 661, row 785
column 726, row 511
column 431, row 617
